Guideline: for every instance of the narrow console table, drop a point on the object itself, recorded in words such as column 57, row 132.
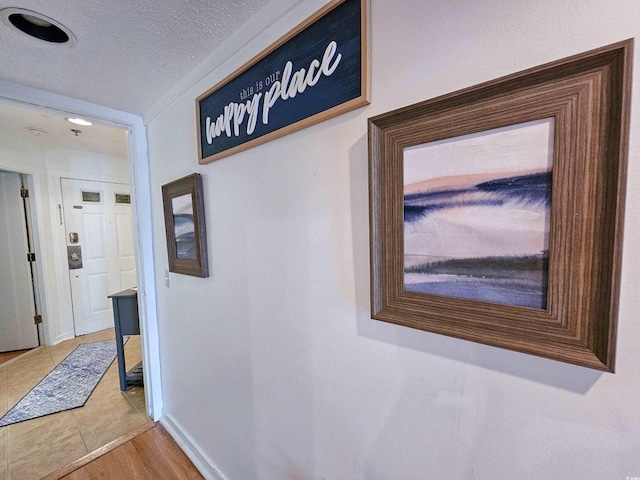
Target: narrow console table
column 125, row 316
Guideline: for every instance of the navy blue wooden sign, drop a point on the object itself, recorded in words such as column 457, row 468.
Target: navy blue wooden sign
column 315, row 72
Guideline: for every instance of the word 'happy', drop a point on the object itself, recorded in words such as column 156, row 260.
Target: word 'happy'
column 230, row 120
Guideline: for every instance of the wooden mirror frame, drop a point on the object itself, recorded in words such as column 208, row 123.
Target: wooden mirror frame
column 189, row 185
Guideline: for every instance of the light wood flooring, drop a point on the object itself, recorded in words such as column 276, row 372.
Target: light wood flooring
column 150, row 455
column 31, row 450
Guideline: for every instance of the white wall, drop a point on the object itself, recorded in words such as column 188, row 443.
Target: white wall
column 47, row 166
column 272, row 367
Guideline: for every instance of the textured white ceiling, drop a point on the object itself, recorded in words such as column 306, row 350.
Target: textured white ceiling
column 48, row 129
column 129, row 53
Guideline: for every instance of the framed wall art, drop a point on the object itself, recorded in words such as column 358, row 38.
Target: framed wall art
column 185, row 226
column 497, row 211
column 316, row 71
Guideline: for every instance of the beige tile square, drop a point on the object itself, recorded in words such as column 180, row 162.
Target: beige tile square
column 4, row 401
column 134, row 343
column 113, row 377
column 105, row 388
column 33, row 372
column 30, row 374
column 52, row 429
column 107, row 334
column 111, row 406
column 135, row 393
column 49, row 458
column 99, row 434
column 113, row 369
column 36, row 425
column 109, row 379
column 3, row 378
column 16, row 394
column 19, row 388
column 37, row 354
column 61, row 351
column 132, row 359
column 3, row 448
column 58, row 439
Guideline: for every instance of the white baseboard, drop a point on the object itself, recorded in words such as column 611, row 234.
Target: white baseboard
column 62, row 338
column 184, row 441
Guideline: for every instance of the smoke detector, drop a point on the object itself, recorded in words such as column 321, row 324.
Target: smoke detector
column 37, row 132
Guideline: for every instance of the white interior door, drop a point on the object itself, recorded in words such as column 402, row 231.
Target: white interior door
column 99, row 214
column 17, row 327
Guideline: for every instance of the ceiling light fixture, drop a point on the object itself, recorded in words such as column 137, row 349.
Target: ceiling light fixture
column 37, row 25
column 80, row 121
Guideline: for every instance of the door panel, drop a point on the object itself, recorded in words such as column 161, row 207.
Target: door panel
column 124, row 231
column 98, row 293
column 128, row 277
column 95, row 248
column 17, row 328
column 105, row 234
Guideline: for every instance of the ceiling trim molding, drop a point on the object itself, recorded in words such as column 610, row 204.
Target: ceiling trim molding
column 67, row 106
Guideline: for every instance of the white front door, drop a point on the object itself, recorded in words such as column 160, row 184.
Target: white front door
column 99, row 230
column 18, row 330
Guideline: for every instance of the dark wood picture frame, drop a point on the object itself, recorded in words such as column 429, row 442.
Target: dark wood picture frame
column 588, row 98
column 192, row 259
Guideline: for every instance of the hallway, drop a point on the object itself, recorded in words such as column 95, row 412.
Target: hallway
column 34, row 448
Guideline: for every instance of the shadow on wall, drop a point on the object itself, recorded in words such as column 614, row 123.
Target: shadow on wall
column 549, row 372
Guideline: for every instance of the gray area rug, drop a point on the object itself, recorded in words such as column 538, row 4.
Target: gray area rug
column 68, row 385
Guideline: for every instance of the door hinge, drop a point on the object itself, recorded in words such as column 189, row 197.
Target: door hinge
column 24, row 193
column 31, row 257
column 38, row 319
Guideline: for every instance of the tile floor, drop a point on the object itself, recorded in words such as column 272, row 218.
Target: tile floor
column 32, row 449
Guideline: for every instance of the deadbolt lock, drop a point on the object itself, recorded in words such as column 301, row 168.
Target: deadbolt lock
column 74, row 255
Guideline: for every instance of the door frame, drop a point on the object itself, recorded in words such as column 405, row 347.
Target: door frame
column 36, row 267
column 141, row 198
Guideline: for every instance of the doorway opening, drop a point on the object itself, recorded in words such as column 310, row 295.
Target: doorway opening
column 26, row 155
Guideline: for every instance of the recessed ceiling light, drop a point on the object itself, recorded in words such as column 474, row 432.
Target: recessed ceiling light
column 37, row 25
column 80, row 121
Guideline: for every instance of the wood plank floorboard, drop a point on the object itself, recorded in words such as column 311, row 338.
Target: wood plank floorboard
column 151, row 455
column 6, row 356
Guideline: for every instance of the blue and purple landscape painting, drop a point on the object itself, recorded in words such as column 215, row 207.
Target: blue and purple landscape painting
column 476, row 216
column 184, row 228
